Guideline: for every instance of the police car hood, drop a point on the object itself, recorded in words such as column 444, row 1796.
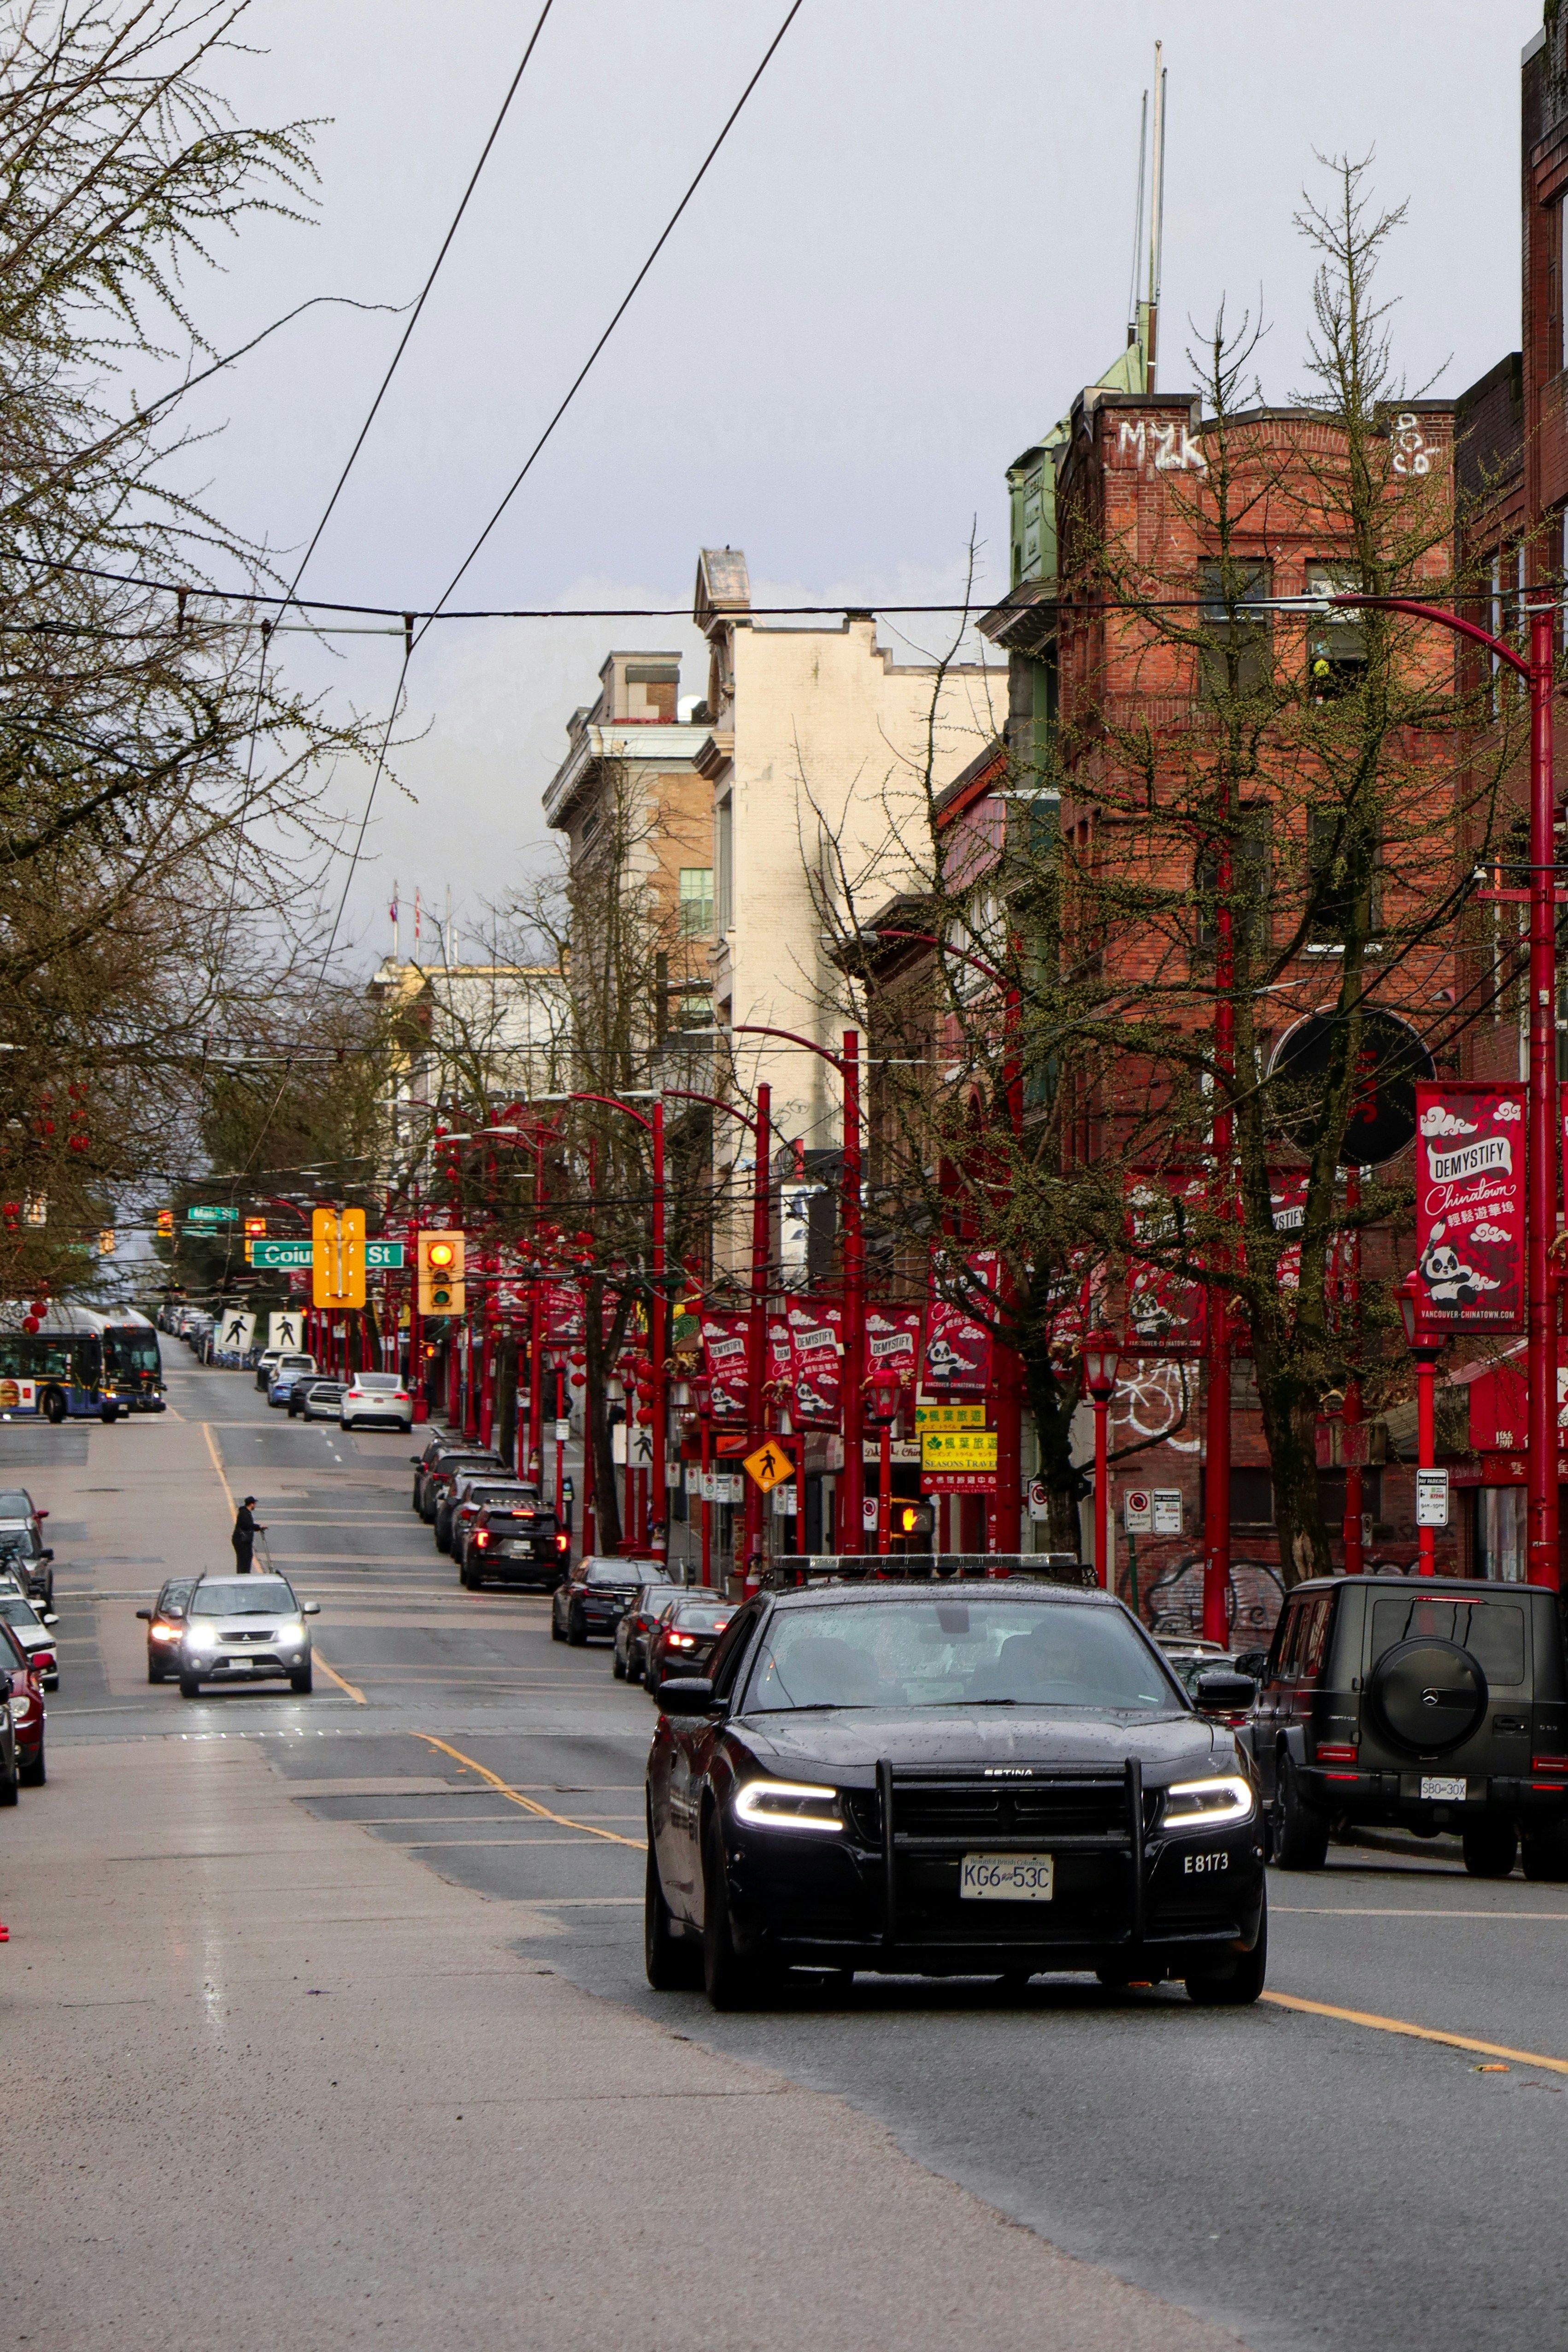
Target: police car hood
column 854, row 1739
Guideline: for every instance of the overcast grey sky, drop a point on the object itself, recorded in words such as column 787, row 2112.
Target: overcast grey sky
column 913, row 250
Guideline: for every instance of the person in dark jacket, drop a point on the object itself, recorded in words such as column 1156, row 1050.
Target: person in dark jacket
column 244, row 1535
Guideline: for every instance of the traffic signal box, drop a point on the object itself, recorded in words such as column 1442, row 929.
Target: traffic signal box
column 441, row 1291
column 338, row 1257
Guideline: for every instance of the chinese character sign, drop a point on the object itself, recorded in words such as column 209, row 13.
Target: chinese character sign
column 723, row 1350
column 1469, row 1204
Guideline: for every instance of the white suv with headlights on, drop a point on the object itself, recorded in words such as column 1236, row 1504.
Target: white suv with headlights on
column 244, row 1628
column 379, row 1398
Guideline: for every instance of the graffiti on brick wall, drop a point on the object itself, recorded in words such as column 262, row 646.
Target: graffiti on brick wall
column 1168, row 448
column 1152, row 1396
column 1412, row 453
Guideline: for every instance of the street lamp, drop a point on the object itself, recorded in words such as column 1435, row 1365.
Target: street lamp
column 1102, row 1361
column 882, row 1394
column 1426, row 1348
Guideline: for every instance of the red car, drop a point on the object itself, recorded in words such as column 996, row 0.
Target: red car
column 683, row 1641
column 25, row 1690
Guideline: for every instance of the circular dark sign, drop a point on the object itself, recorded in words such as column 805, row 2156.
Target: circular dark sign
column 1383, row 1111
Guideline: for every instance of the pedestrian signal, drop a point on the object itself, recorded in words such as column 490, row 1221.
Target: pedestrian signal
column 441, row 1287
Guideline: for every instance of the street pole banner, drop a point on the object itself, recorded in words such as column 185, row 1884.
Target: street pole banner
column 724, row 1351
column 779, row 1367
column 957, row 1346
column 892, row 1336
column 1469, row 1204
column 817, row 1354
column 565, row 1324
column 1164, row 1307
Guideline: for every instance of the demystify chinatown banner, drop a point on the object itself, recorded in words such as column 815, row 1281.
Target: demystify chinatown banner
column 1469, row 1204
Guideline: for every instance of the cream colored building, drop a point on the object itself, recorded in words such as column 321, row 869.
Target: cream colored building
column 821, row 754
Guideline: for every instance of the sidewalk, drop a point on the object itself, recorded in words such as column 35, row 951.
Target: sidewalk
column 269, row 2079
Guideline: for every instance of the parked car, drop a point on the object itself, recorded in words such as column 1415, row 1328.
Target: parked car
column 440, row 1472
column 1191, row 1657
column 315, row 1400
column 516, row 1543
column 10, row 1762
column 32, row 1630
column 988, row 1778
column 474, row 1490
column 165, row 1623
column 635, row 1625
column 244, row 1628
column 439, row 1441
column 290, row 1369
column 592, row 1599
column 377, row 1401
column 462, row 1484
column 28, row 1714
column 22, row 1546
column 685, row 1634
column 1428, row 1706
column 267, row 1364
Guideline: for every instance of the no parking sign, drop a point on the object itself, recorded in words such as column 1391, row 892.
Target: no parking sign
column 1138, row 1511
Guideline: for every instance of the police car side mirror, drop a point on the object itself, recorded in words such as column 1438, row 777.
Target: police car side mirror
column 1254, row 1663
column 687, row 1695
column 1225, row 1694
column 145, row 1615
column 45, row 1555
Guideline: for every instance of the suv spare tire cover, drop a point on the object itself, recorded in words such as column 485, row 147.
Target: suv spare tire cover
column 1430, row 1694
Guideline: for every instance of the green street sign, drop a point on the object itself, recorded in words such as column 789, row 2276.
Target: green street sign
column 212, row 1212
column 383, row 1253
column 295, row 1254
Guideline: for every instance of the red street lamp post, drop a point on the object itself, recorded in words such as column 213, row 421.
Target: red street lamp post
column 1541, row 1196
column 847, row 1065
column 884, row 1398
column 1426, row 1348
column 1102, row 1361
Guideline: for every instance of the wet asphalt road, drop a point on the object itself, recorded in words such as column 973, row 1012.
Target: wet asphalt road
column 1303, row 2180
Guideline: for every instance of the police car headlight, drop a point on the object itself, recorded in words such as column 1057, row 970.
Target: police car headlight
column 1217, row 1804
column 788, row 1805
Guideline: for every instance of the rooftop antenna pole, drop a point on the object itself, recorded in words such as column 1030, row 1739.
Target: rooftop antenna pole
column 1138, row 222
column 1156, row 216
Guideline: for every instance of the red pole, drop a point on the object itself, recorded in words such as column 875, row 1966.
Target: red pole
column 559, row 1445
column 884, row 1500
column 852, row 1531
column 1102, row 1491
column 1541, row 1354
column 1426, row 1448
column 1355, row 1549
column 756, row 1326
column 658, row 1505
column 1217, row 1487
column 706, row 1422
column 587, row 1483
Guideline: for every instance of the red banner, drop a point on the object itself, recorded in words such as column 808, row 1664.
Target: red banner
column 780, row 1373
column 564, row 1321
column 817, row 1363
column 892, row 1343
column 1164, row 1307
column 724, row 1351
column 957, row 1346
column 1469, row 1204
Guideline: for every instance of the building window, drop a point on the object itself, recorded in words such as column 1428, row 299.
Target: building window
column 1336, row 645
column 1249, row 881
column 1333, row 895
column 1234, row 656
column 589, row 826
column 697, row 902
column 725, row 830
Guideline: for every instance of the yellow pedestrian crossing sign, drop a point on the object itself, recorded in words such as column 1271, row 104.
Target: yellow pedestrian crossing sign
column 769, row 1465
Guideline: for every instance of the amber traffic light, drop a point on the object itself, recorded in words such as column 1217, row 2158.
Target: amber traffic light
column 441, row 1291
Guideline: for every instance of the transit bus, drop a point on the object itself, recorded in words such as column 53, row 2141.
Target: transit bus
column 78, row 1363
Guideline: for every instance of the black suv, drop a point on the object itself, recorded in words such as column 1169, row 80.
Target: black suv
column 516, row 1543
column 1425, row 1704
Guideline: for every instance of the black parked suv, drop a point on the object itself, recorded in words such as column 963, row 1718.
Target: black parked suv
column 1425, row 1704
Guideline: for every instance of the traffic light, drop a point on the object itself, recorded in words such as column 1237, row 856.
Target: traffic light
column 256, row 1228
column 441, row 1291
column 337, row 1258
column 165, row 1221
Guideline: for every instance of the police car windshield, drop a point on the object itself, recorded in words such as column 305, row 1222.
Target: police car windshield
column 926, row 1652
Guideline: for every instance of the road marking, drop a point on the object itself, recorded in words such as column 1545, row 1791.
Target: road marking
column 611, row 1837
column 1402, row 1911
column 334, row 1676
column 217, row 1465
column 1416, row 2032
column 317, row 1659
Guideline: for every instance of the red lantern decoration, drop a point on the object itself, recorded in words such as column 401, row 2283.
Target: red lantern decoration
column 79, row 1142
column 29, row 1322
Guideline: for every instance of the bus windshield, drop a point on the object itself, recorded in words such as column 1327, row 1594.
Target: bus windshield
column 129, row 1348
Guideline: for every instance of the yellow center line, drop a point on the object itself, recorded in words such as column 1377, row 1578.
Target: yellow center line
column 317, row 1659
column 611, row 1837
column 1417, row 2032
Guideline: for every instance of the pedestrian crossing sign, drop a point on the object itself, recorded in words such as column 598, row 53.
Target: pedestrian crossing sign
column 769, row 1465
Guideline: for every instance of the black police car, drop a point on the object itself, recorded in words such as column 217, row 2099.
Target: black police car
column 969, row 1778
column 515, row 1542
column 1423, row 1703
